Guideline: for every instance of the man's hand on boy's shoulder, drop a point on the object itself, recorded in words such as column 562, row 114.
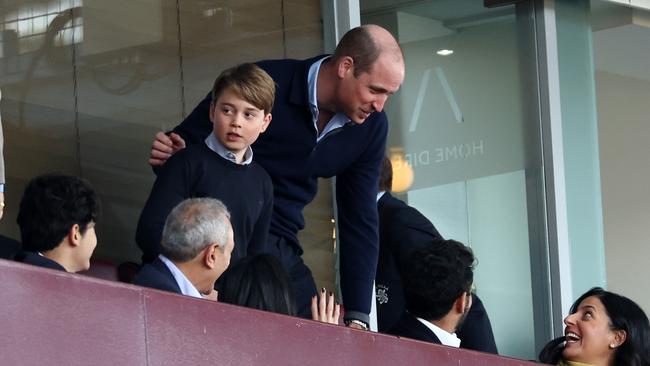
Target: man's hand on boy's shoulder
column 164, row 146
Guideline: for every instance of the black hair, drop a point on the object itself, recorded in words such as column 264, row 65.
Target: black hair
column 258, row 282
column 436, row 275
column 50, row 206
column 624, row 314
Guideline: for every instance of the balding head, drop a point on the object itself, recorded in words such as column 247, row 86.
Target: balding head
column 365, row 44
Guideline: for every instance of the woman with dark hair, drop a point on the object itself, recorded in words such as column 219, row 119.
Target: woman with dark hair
column 260, row 282
column 603, row 329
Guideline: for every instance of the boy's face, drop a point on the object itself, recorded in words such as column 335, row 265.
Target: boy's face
column 86, row 246
column 237, row 123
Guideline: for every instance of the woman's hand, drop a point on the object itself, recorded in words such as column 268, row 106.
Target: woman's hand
column 324, row 309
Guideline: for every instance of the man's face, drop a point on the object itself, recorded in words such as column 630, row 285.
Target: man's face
column 236, row 122
column 87, row 246
column 360, row 96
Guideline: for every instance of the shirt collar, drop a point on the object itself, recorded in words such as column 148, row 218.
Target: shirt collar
column 215, row 145
column 187, row 288
column 339, row 119
column 446, row 338
column 380, row 195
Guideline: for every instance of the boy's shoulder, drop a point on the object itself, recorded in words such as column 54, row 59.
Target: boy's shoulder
column 190, row 153
column 258, row 169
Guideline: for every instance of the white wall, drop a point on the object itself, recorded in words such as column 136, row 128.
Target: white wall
column 624, row 138
column 489, row 214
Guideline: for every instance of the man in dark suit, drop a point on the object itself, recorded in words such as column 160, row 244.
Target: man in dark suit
column 437, row 284
column 8, row 247
column 196, row 245
column 57, row 217
column 403, row 229
column 327, row 121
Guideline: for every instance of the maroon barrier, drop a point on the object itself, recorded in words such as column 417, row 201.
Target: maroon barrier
column 55, row 318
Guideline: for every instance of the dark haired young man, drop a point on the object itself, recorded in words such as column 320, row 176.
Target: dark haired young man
column 57, row 218
column 437, row 286
column 403, row 229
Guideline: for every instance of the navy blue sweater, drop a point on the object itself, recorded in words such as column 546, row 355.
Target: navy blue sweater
column 289, row 153
column 197, row 171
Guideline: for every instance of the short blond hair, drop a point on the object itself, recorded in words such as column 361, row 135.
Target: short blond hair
column 249, row 82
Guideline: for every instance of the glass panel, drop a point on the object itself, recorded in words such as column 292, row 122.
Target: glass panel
column 621, row 54
column 38, row 104
column 84, row 92
column 128, row 78
column 466, row 124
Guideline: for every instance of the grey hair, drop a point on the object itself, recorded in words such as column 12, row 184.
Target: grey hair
column 192, row 226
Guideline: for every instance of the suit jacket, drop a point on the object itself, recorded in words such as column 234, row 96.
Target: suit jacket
column 403, row 229
column 9, row 247
column 408, row 326
column 476, row 331
column 38, row 260
column 156, row 275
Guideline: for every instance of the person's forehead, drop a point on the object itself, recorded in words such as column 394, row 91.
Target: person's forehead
column 229, row 96
column 386, row 74
column 591, row 302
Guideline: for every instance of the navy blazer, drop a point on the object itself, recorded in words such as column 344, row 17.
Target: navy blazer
column 403, row 229
column 9, row 247
column 36, row 259
column 156, row 275
column 294, row 160
column 408, row 326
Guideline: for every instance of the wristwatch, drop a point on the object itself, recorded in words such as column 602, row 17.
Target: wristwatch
column 363, row 325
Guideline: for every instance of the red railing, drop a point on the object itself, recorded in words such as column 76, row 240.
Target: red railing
column 55, row 318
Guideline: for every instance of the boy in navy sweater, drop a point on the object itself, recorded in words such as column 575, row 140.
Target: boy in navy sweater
column 222, row 167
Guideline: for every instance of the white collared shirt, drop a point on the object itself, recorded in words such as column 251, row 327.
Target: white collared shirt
column 380, row 195
column 338, row 120
column 187, row 288
column 215, row 145
column 446, row 338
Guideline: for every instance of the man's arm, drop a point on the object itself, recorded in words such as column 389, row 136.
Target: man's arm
column 170, row 188
column 194, row 129
column 356, row 195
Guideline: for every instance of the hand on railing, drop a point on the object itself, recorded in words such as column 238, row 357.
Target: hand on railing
column 324, row 309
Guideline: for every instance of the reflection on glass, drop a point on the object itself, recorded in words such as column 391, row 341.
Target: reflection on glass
column 87, row 84
column 621, row 56
column 463, row 120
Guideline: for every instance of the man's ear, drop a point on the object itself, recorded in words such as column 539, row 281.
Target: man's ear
column 210, row 255
column 462, row 303
column 345, row 66
column 74, row 235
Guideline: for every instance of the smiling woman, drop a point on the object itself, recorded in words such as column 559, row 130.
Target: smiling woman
column 603, row 329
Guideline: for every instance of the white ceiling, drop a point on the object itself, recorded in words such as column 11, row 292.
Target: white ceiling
column 621, row 37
